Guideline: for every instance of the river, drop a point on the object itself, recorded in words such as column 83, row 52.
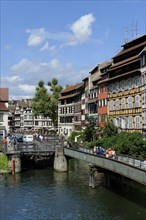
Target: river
column 43, row 194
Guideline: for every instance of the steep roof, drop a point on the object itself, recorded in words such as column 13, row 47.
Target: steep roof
column 125, row 62
column 132, row 45
column 69, row 96
column 3, row 107
column 72, row 88
column 4, row 94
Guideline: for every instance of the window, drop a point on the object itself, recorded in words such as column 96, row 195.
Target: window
column 99, row 103
column 137, row 101
column 122, row 84
column 111, row 105
column 129, row 122
column 136, row 81
column 119, row 122
column 115, row 120
column 1, row 117
column 114, row 88
column 137, row 122
column 117, row 86
column 143, row 60
column 117, row 104
column 129, row 83
column 123, row 122
column 130, row 99
column 123, row 103
column 110, row 88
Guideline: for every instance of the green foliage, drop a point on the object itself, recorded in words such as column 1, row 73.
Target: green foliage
column 53, row 104
column 90, row 130
column 110, row 142
column 109, row 129
column 3, row 162
column 41, row 83
column 73, row 135
column 96, row 143
column 40, row 104
column 47, row 104
column 131, row 144
column 55, row 88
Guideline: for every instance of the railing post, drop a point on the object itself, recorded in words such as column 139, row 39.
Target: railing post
column 13, row 167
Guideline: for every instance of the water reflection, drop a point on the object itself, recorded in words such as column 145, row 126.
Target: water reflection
column 48, row 195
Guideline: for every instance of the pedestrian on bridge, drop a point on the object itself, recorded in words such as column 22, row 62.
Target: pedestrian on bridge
column 65, row 143
column 4, row 143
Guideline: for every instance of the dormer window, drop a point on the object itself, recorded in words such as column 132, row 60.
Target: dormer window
column 143, row 60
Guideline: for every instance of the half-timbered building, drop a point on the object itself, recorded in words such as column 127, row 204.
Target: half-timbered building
column 125, row 87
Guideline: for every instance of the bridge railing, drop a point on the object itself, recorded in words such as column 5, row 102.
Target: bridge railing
column 30, row 147
column 131, row 161
column 120, row 157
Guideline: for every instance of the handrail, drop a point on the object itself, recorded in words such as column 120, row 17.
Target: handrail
column 120, row 157
column 34, row 147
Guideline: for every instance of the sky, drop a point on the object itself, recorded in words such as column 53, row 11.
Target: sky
column 44, row 39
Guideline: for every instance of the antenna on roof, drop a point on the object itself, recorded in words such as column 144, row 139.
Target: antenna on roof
column 126, row 34
column 134, row 30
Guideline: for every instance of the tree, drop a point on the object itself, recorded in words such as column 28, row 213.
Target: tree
column 131, row 144
column 40, row 103
column 53, row 103
column 90, row 130
column 47, row 104
column 109, row 129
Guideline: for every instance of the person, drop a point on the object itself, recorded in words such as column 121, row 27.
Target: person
column 114, row 154
column 69, row 145
column 100, row 151
column 14, row 142
column 41, row 137
column 5, row 143
column 94, row 149
column 65, row 143
column 109, row 153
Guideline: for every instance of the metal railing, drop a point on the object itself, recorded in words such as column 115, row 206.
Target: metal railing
column 30, row 148
column 119, row 157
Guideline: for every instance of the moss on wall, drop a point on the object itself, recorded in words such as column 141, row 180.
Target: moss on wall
column 3, row 163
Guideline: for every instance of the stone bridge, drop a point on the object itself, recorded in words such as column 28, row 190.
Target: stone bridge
column 122, row 166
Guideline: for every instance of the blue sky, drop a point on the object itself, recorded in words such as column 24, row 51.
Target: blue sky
column 63, row 39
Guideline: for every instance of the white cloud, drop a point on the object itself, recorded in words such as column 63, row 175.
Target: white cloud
column 11, row 79
column 79, row 32
column 29, row 89
column 36, row 37
column 26, row 67
column 25, row 75
column 46, row 46
column 81, row 29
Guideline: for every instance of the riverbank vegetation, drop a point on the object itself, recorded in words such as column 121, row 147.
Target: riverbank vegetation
column 131, row 144
column 3, row 163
